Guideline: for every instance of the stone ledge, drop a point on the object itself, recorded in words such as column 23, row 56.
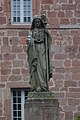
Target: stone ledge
column 40, row 95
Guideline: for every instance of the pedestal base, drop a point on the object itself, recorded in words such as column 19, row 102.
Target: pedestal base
column 41, row 106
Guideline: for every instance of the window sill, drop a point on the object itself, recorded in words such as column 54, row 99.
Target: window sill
column 22, row 26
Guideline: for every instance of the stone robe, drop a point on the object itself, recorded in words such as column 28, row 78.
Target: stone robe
column 39, row 59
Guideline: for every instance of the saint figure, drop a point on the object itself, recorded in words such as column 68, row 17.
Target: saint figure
column 38, row 51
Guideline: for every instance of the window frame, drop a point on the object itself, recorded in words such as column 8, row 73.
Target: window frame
column 23, row 98
column 21, row 14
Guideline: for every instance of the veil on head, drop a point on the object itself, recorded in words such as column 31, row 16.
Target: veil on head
column 33, row 22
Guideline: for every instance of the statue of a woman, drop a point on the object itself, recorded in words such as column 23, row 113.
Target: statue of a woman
column 38, row 51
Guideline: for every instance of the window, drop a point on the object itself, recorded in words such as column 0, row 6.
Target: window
column 21, row 11
column 18, row 97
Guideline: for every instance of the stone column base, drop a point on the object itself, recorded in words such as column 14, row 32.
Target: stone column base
column 41, row 106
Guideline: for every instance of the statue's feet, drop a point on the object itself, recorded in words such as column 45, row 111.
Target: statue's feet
column 38, row 89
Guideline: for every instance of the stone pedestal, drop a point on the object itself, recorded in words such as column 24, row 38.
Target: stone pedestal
column 41, row 106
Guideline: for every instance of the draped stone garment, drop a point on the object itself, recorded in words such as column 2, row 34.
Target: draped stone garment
column 39, row 59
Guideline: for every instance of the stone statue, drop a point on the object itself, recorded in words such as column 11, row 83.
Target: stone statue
column 38, row 51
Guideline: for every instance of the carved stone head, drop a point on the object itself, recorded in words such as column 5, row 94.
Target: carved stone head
column 37, row 22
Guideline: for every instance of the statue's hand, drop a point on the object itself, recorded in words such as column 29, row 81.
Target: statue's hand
column 28, row 39
column 46, row 30
column 30, row 42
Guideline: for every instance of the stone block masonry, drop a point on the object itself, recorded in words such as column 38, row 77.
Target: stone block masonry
column 64, row 24
column 66, row 68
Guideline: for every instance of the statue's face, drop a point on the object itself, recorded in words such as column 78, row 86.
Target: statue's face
column 37, row 23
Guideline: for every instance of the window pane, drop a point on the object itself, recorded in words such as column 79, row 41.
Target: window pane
column 19, row 118
column 18, row 19
column 15, row 113
column 19, row 113
column 19, row 93
column 14, row 19
column 18, row 8
column 18, row 13
column 19, row 100
column 14, row 8
column 29, row 19
column 18, row 5
column 28, row 13
column 25, row 8
column 19, row 106
column 14, row 13
column 25, row 19
column 25, row 3
column 28, row 4
column 28, row 8
column 14, row 100
column 14, row 93
column 25, row 14
column 18, row 2
column 14, row 106
column 15, row 119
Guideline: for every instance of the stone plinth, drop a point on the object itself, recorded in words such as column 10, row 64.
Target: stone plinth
column 41, row 106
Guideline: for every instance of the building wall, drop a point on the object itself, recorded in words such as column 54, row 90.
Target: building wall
column 64, row 24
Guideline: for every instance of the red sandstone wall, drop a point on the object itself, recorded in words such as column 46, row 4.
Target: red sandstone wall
column 63, row 22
